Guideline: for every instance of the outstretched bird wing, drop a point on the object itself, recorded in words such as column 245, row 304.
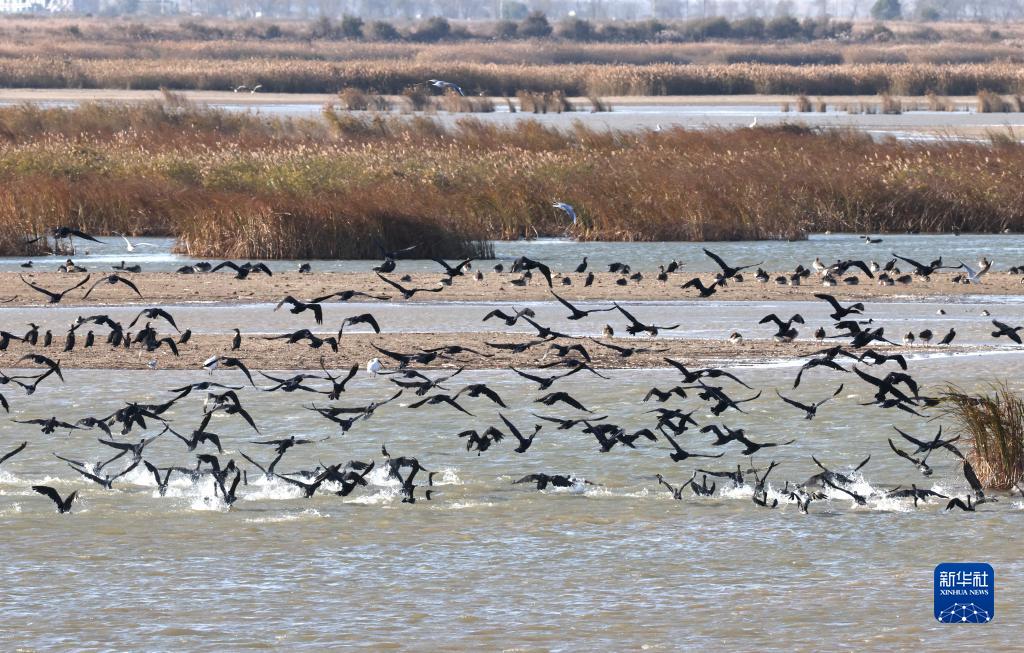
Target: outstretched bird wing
column 234, row 362
column 226, row 264
column 917, row 266
column 127, row 282
column 717, row 259
column 911, row 439
column 48, row 491
column 487, row 392
column 531, row 377
column 52, row 295
column 13, row 452
column 82, row 234
column 392, row 284
column 544, row 270
column 791, row 402
column 831, row 300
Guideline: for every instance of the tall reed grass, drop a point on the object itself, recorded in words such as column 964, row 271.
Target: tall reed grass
column 993, row 428
column 989, row 102
column 938, row 103
column 543, row 102
column 354, row 99
column 245, row 185
column 891, row 105
column 394, row 77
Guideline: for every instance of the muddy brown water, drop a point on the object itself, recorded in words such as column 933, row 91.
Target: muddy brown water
column 487, row 564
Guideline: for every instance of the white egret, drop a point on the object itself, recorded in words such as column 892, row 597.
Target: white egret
column 440, row 83
column 567, row 208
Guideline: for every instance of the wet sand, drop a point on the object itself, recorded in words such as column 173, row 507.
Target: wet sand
column 259, row 353
column 169, row 288
column 164, row 289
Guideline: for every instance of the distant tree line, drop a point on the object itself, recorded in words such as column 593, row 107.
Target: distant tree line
column 404, row 11
column 536, row 25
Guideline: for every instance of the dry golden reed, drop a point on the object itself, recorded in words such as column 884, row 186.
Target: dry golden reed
column 989, row 102
column 992, row 427
column 394, row 77
column 891, row 105
column 236, row 184
column 82, row 52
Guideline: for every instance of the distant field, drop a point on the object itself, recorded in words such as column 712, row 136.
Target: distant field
column 237, row 185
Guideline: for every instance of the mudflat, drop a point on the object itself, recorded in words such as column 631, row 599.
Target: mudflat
column 165, row 287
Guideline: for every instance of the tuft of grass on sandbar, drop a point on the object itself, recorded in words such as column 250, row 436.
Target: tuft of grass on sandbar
column 993, row 427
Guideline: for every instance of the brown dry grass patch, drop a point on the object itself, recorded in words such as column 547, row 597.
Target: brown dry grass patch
column 242, row 185
column 993, row 427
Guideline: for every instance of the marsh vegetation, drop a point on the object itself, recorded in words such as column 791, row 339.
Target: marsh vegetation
column 231, row 184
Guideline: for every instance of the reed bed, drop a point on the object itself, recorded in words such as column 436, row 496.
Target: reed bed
column 354, row 99
column 890, row 105
column 242, row 185
column 992, row 426
column 598, row 104
column 395, row 77
column 989, row 102
column 454, row 103
column 518, row 53
column 543, row 102
column 938, row 103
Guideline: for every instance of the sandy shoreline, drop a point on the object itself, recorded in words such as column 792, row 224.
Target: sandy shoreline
column 169, row 288
column 258, row 353
column 165, row 289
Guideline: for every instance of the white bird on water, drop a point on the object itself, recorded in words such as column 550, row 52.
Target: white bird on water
column 211, row 363
column 567, row 208
column 128, row 244
column 754, row 124
column 374, row 366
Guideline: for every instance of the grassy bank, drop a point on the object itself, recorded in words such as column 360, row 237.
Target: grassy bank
column 238, row 185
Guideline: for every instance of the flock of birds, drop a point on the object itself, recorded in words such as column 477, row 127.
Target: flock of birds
column 674, row 429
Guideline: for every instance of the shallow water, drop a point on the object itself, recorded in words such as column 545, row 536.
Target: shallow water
column 909, row 125
column 1005, row 250
column 918, row 126
column 486, row 564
